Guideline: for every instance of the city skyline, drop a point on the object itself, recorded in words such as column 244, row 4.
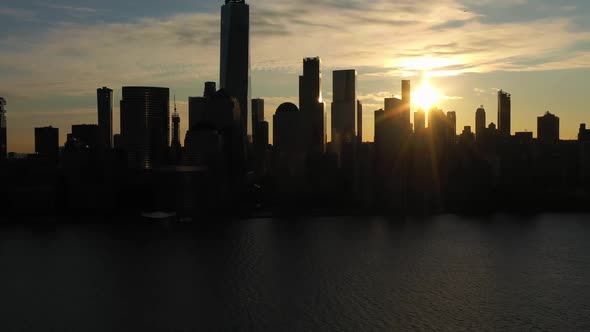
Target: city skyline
column 539, row 78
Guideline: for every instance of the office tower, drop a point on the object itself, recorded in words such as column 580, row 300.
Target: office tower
column 145, row 125
column 419, row 121
column 359, row 109
column 104, row 102
column 504, row 113
column 548, row 128
column 175, row 128
column 344, row 112
column 47, row 142
column 90, row 136
column 394, row 108
column 480, row 121
column 235, row 56
column 210, row 89
column 263, row 134
column 311, row 105
column 257, row 118
column 452, row 116
column 3, row 138
column 287, row 123
column 467, row 137
column 196, row 107
column 406, row 95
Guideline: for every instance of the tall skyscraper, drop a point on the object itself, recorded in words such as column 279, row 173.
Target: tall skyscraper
column 406, row 99
column 104, row 101
column 3, row 138
column 394, row 108
column 452, row 116
column 344, row 112
column 548, row 128
column 311, row 105
column 359, row 110
column 175, row 129
column 504, row 113
column 145, row 125
column 257, row 118
column 480, row 121
column 235, row 56
column 47, row 142
column 419, row 121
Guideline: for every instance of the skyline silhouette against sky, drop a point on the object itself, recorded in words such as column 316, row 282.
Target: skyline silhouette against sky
column 55, row 55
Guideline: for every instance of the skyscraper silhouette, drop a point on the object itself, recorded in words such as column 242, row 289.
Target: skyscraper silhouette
column 3, row 138
column 419, row 121
column 407, row 102
column 344, row 108
column 145, row 125
column 88, row 135
column 47, row 143
column 452, row 123
column 104, row 101
column 311, row 105
column 175, row 128
column 257, row 118
column 235, row 56
column 359, row 110
column 504, row 113
column 480, row 122
column 548, row 128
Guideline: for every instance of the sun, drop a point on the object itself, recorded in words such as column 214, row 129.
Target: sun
column 426, row 96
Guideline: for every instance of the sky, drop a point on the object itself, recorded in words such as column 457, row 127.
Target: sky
column 55, row 53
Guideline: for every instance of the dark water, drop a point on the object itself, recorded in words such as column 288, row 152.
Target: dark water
column 345, row 274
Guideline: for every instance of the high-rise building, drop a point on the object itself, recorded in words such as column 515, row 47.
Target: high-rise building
column 235, row 56
column 359, row 109
column 175, row 128
column 504, row 113
column 583, row 133
column 419, row 121
column 257, row 118
column 89, row 135
column 344, row 108
column 480, row 121
column 452, row 116
column 548, row 128
column 287, row 123
column 406, row 99
column 394, row 108
column 3, row 138
column 47, row 142
column 311, row 105
column 104, row 102
column 145, row 125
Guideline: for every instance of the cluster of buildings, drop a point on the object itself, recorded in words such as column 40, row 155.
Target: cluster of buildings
column 409, row 168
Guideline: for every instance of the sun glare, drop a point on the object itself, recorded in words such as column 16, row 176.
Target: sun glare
column 426, row 96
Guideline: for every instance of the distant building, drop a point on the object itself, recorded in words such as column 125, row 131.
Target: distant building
column 175, row 144
column 235, row 57
column 467, row 136
column 523, row 137
column 406, row 99
column 480, row 121
column 344, row 108
column 584, row 134
column 419, row 121
column 452, row 116
column 145, row 125
column 504, row 113
column 359, row 109
column 210, row 89
column 287, row 123
column 47, row 143
column 548, row 128
column 3, row 138
column 89, row 135
column 394, row 107
column 257, row 119
column 312, row 106
column 104, row 101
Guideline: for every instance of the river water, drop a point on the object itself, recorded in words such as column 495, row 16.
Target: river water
column 347, row 274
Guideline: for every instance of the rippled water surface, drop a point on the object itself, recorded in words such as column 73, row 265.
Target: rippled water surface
column 441, row 274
